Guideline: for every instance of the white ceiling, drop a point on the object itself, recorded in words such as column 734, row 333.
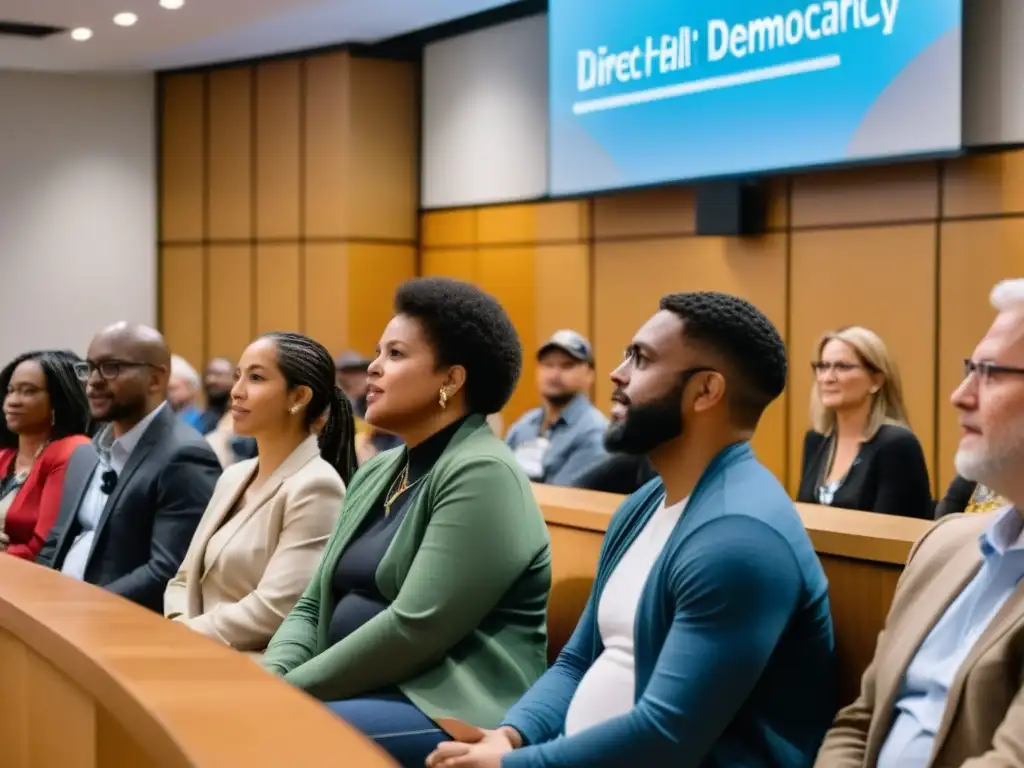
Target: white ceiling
column 206, row 31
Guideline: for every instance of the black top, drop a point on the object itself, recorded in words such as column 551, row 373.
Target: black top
column 354, row 583
column 888, row 476
column 957, row 497
column 619, row 473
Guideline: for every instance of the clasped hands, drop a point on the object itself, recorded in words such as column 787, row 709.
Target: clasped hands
column 473, row 747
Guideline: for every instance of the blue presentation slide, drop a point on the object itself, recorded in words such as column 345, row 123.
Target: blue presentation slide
column 651, row 91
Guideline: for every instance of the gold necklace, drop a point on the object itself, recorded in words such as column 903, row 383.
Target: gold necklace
column 402, row 481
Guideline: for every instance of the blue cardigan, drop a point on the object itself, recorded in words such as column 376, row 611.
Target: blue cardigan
column 733, row 641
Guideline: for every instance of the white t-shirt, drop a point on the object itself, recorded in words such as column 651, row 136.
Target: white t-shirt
column 607, row 690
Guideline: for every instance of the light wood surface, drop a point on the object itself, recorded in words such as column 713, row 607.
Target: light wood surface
column 861, row 553
column 94, row 681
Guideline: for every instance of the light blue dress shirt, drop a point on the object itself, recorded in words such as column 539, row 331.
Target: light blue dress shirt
column 113, row 454
column 921, row 699
column 571, row 446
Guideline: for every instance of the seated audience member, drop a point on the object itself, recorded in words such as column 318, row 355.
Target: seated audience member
column 431, row 598
column 620, row 473
column 132, row 499
column 968, row 497
column 268, row 521
column 707, row 639
column 564, row 437
column 218, row 379
column 860, row 453
column 182, row 391
column 351, row 375
column 46, row 416
column 944, row 688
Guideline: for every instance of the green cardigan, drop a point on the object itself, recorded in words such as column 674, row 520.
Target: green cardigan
column 468, row 574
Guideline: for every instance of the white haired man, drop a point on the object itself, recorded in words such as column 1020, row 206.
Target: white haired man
column 183, row 387
column 945, row 686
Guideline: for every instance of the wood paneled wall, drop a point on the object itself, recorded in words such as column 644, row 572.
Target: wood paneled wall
column 289, row 194
column 910, row 251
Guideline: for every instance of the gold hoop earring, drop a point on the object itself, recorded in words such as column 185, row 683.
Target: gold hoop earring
column 443, row 398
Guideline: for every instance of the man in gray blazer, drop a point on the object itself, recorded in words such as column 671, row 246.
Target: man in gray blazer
column 132, row 499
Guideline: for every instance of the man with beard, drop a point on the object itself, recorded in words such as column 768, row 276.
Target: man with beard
column 217, row 382
column 707, row 639
column 564, row 438
column 945, row 686
column 133, row 498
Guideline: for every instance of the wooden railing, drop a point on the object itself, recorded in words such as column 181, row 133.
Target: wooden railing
column 94, row 681
column 862, row 554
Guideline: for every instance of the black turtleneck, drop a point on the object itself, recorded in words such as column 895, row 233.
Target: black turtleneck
column 354, row 583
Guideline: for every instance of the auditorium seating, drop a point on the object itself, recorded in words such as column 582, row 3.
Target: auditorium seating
column 94, row 681
column 862, row 553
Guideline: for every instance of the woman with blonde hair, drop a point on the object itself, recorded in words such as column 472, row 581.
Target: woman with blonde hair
column 860, row 452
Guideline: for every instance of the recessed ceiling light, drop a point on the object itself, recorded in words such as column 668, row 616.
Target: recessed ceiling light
column 81, row 34
column 171, row 5
column 125, row 19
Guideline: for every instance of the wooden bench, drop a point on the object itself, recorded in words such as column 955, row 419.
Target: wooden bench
column 862, row 554
column 94, row 681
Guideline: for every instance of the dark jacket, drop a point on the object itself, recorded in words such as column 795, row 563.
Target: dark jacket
column 888, row 476
column 150, row 516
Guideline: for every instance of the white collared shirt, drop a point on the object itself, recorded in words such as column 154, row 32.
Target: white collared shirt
column 114, row 454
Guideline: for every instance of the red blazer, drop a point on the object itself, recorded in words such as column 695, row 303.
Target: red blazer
column 34, row 510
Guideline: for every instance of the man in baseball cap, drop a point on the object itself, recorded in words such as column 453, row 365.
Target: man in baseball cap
column 564, row 436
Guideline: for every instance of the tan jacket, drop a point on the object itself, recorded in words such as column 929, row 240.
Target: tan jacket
column 240, row 593
column 983, row 724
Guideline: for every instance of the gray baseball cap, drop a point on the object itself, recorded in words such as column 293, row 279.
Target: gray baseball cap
column 573, row 344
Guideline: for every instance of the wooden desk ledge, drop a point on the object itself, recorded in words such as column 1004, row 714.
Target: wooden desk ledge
column 94, row 681
column 839, row 532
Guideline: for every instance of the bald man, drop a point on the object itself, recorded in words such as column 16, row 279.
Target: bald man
column 132, row 499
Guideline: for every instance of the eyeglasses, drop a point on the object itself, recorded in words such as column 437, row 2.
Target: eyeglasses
column 107, row 369
column 820, row 367
column 986, row 370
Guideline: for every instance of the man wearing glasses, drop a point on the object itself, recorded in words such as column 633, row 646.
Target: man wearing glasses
column 132, row 499
column 945, row 686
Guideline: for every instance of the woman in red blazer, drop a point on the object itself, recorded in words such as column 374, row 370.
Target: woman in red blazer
column 46, row 416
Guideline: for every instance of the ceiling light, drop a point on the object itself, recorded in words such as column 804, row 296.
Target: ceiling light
column 171, row 5
column 81, row 34
column 125, row 19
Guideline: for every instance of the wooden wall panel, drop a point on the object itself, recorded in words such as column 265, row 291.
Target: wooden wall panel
column 653, row 212
column 562, row 290
column 326, row 287
column 866, row 196
column 278, row 110
column 384, row 119
column 230, row 306
column 984, row 185
column 328, row 143
column 182, row 155
column 509, row 275
column 882, row 278
column 230, row 156
column 441, row 262
column 278, row 288
column 633, row 276
column 444, row 229
column 375, row 272
column 182, row 303
column 975, row 256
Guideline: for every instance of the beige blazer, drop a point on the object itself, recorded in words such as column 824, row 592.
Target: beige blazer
column 239, row 591
column 983, row 725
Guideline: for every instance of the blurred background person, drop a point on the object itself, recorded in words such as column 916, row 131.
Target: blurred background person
column 564, row 437
column 860, row 452
column 46, row 416
column 183, row 391
column 262, row 534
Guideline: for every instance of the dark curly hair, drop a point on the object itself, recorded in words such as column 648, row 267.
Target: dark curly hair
column 67, row 394
column 305, row 362
column 744, row 339
column 470, row 328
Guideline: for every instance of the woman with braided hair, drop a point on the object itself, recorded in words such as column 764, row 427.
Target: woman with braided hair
column 265, row 528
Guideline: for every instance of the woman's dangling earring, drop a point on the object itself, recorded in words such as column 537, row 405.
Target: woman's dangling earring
column 53, row 418
column 443, row 398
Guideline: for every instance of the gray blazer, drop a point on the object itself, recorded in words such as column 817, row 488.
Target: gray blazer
column 150, row 517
